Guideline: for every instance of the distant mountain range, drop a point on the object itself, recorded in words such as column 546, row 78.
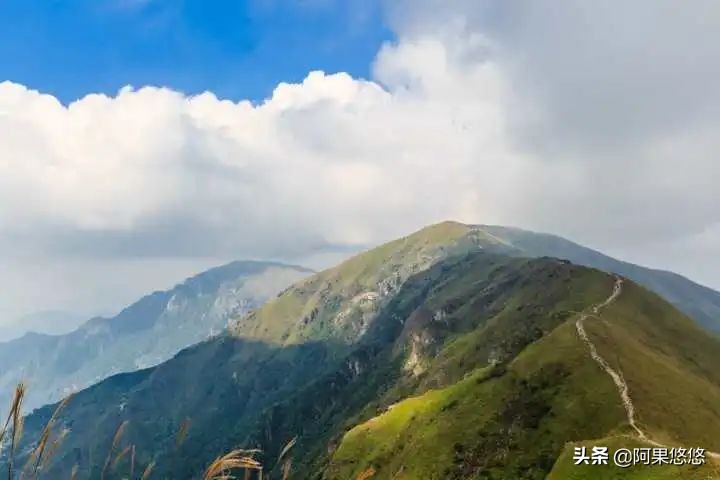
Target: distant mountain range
column 144, row 334
column 50, row 322
column 444, row 354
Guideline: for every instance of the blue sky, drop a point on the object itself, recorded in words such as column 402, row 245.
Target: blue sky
column 237, row 49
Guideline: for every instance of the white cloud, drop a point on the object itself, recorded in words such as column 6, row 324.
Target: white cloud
column 331, row 162
column 335, row 159
column 478, row 112
column 618, row 106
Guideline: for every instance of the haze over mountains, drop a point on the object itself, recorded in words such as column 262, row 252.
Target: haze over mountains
column 444, row 354
column 51, row 322
column 144, row 334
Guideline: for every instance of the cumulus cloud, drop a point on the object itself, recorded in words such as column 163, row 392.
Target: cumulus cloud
column 596, row 120
column 331, row 161
column 617, row 105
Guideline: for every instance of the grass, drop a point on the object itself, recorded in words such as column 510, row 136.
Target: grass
column 517, row 423
column 424, row 428
column 51, row 439
column 43, row 453
column 311, row 309
column 464, row 431
column 458, row 431
column 220, row 469
column 14, row 427
column 565, row 468
column 502, row 385
column 667, row 361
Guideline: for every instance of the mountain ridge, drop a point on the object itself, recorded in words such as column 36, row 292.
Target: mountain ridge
column 147, row 332
column 50, row 322
column 696, row 300
column 448, row 310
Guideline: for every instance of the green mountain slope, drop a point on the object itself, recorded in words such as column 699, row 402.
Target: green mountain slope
column 565, row 468
column 484, row 308
column 697, row 301
column 434, row 356
column 341, row 302
column 515, row 424
column 144, row 334
column 316, row 320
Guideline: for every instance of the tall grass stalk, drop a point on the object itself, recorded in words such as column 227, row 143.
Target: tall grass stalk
column 39, row 456
column 222, row 467
column 148, row 471
column 117, row 438
column 13, row 425
column 287, row 465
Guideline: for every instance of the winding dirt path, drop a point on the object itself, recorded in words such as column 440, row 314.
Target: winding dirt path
column 616, row 376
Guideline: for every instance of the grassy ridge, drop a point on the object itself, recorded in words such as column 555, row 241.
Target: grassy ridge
column 425, row 428
column 565, row 468
column 338, row 303
column 669, row 364
column 701, row 303
column 458, row 315
column 224, row 385
column 498, row 423
column 417, row 360
column 515, row 423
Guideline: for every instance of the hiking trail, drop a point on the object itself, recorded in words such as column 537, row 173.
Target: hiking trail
column 616, row 376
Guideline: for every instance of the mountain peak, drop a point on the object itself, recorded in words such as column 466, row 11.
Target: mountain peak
column 435, row 355
column 143, row 334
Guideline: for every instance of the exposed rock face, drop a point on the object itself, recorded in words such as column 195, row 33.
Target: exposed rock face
column 143, row 335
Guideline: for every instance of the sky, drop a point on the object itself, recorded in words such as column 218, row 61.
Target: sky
column 143, row 141
column 238, row 49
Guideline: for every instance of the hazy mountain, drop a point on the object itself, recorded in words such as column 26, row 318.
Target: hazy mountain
column 144, row 334
column 51, row 322
column 433, row 356
column 698, row 301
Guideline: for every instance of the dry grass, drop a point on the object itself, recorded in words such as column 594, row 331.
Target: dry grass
column 50, row 441
column 287, row 466
column 222, row 467
column 365, row 475
column 132, row 462
column 54, row 447
column 13, row 425
column 148, row 471
column 117, row 438
column 286, row 449
column 45, row 450
column 121, row 456
column 182, row 432
column 244, row 460
column 41, row 455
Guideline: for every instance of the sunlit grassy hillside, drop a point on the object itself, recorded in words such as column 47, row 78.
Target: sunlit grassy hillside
column 433, row 356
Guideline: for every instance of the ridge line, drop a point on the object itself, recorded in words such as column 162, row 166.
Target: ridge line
column 617, row 378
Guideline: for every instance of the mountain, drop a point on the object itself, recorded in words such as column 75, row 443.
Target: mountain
column 51, row 322
column 697, row 301
column 144, row 334
column 514, row 418
column 443, row 354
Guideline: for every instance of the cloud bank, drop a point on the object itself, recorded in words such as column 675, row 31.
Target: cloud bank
column 595, row 120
